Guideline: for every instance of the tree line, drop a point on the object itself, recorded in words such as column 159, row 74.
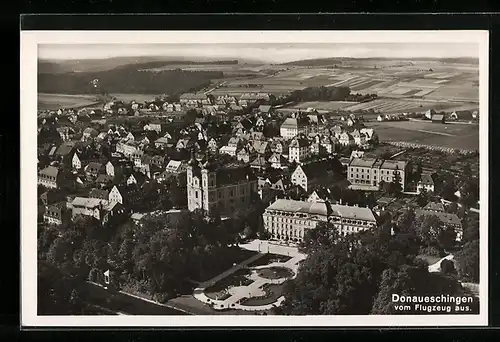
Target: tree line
column 126, row 79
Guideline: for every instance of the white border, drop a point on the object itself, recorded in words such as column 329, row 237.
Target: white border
column 29, row 50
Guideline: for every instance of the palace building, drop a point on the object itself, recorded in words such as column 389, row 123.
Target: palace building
column 289, row 220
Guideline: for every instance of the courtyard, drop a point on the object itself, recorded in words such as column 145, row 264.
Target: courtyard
column 255, row 284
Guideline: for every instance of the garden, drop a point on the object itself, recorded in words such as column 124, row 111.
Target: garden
column 272, row 293
column 219, row 291
column 275, row 273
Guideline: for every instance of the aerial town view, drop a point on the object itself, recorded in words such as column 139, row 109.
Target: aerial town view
column 256, row 180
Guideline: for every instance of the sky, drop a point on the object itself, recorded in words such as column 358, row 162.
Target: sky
column 272, row 53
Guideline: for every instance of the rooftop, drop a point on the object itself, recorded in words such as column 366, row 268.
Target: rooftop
column 50, row 171
column 87, row 202
column 445, row 218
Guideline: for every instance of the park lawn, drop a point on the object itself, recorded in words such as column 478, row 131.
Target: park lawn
column 460, row 136
column 57, row 101
column 235, row 256
column 268, row 259
column 275, row 272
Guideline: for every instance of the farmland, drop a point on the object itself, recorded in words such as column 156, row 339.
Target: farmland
column 461, row 136
column 56, row 101
column 327, row 105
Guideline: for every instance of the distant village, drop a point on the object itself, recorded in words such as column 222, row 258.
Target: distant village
column 217, row 154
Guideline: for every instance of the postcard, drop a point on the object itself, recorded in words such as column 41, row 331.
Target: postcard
column 254, row 178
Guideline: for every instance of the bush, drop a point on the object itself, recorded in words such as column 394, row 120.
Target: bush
column 431, row 250
column 162, row 297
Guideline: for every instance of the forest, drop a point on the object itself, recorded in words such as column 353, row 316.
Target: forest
column 126, row 79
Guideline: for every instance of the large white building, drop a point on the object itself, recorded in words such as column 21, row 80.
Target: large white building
column 289, row 220
column 292, row 127
column 368, row 173
column 216, row 188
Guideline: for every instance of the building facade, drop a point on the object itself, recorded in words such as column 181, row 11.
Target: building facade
column 368, row 173
column 299, row 150
column 223, row 189
column 289, row 220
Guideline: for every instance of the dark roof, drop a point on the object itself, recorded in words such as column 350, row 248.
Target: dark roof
column 98, row 193
column 316, row 169
column 50, row 171
column 234, row 175
column 265, row 108
column 426, row 179
column 103, row 179
column 93, row 166
column 65, row 149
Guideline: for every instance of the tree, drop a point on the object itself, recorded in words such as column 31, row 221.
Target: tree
column 447, row 266
column 423, row 197
column 470, row 228
column 467, row 262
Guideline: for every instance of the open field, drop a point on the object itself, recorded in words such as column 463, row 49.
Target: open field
column 386, row 106
column 421, row 79
column 57, row 101
column 136, row 97
column 327, row 105
column 464, row 136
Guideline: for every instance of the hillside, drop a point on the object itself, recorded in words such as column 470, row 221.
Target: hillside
column 93, row 65
column 348, row 60
column 126, row 79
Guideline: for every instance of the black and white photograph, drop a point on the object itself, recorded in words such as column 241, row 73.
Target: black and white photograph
column 276, row 178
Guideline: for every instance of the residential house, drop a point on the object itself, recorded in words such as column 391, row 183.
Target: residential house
column 161, row 142
column 156, row 126
column 50, row 197
column 293, row 127
column 245, row 155
column 359, row 138
column 136, row 178
column 89, row 133
column 212, row 145
column 66, row 133
column 56, row 214
column 184, row 144
column 99, row 194
column 259, row 162
column 369, row 132
column 309, row 175
column 336, row 131
column 262, row 147
column 277, row 161
column 435, row 206
column 328, row 143
column 447, row 220
column 278, row 146
column 429, row 113
column 346, row 139
column 439, row 118
column 94, row 169
column 298, row 150
column 115, row 195
column 50, row 177
column 113, row 169
column 76, row 163
column 426, row 183
column 230, row 150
